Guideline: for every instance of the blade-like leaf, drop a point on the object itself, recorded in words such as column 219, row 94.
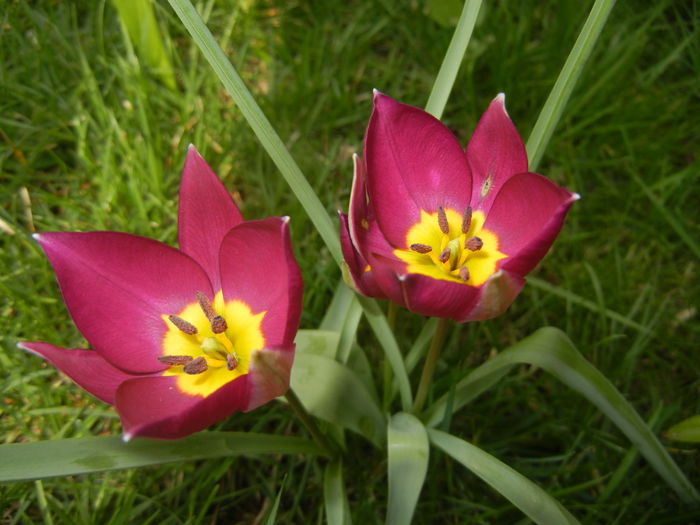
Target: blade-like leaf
column 334, row 495
column 408, row 453
column 686, row 430
column 140, row 23
column 550, row 349
column 331, row 391
column 318, row 342
column 65, row 457
column 534, row 502
column 554, row 106
column 453, row 58
column 271, row 517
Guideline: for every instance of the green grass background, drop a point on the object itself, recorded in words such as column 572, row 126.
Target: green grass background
column 90, row 138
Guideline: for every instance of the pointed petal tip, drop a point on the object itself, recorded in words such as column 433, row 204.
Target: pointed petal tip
column 285, row 219
column 575, row 196
column 126, row 437
column 36, row 237
column 191, row 147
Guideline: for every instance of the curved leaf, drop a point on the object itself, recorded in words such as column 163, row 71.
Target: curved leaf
column 66, row 457
column 687, row 430
column 534, row 502
column 408, row 453
column 331, row 391
column 550, row 349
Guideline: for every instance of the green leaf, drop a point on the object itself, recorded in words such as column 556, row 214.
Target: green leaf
column 334, row 494
column 568, row 77
column 317, row 342
column 142, row 29
column 271, row 517
column 408, row 453
column 331, row 391
column 687, row 430
column 66, row 457
column 550, row 349
column 534, row 502
column 453, row 58
column 260, row 125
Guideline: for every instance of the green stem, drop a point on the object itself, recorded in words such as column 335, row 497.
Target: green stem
column 391, row 313
column 309, row 423
column 426, row 377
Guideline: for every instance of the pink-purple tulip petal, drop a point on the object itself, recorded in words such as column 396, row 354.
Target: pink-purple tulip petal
column 181, row 339
column 441, row 230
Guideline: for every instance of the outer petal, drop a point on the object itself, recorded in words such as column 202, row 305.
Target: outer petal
column 154, row 407
column 258, row 267
column 495, row 152
column 413, row 162
column 205, row 215
column 527, row 214
column 495, row 296
column 116, row 287
column 439, row 298
column 86, row 367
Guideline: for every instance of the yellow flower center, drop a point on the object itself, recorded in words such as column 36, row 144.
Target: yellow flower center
column 209, row 344
column 452, row 246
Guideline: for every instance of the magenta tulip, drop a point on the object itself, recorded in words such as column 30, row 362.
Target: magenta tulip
column 181, row 338
column 442, row 231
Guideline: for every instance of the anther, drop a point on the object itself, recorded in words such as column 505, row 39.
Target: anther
column 174, row 360
column 445, row 255
column 182, row 325
column 473, row 244
column 205, row 305
column 442, row 221
column 467, row 220
column 196, row 366
column 421, row 248
column 218, row 324
column 464, row 273
column 231, row 361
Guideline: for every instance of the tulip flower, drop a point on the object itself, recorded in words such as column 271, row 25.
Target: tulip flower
column 181, row 338
column 440, row 230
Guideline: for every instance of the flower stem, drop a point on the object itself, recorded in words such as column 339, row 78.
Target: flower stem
column 426, row 377
column 388, row 377
column 309, row 423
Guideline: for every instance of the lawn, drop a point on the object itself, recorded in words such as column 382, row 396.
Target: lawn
column 92, row 138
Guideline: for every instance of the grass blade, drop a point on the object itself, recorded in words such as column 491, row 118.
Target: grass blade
column 534, row 502
column 409, row 451
column 261, row 126
column 67, row 457
column 550, row 349
column 568, row 77
column 453, row 58
column 687, row 430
